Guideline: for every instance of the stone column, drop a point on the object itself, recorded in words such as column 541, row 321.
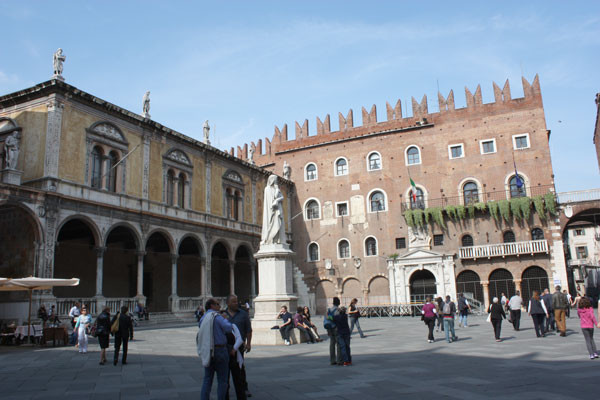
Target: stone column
column 140, row 273
column 365, row 296
column 486, row 294
column 231, row 276
column 105, row 174
column 518, row 285
column 176, row 183
column 253, row 278
column 207, row 275
column 203, row 284
column 174, row 258
column 99, row 269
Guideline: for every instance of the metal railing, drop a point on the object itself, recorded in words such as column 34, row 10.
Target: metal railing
column 484, row 197
column 477, row 307
column 504, row 249
column 578, row 196
column 189, row 303
column 391, row 310
column 116, row 304
column 64, row 305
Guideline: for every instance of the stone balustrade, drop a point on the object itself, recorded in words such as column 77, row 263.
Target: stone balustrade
column 504, row 249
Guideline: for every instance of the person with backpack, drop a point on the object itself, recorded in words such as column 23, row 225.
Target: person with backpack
column 463, row 310
column 560, row 303
column 343, row 336
column 335, row 354
column 448, row 311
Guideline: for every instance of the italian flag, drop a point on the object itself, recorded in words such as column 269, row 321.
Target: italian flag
column 414, row 189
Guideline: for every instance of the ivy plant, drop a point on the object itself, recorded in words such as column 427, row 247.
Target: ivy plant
column 525, row 207
column 504, row 208
column 515, row 208
column 550, row 201
column 418, row 217
column 493, row 207
column 461, row 212
column 538, row 204
column 451, row 211
column 408, row 217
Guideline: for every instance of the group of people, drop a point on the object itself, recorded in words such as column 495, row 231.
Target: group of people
column 121, row 326
column 442, row 312
column 48, row 316
column 301, row 321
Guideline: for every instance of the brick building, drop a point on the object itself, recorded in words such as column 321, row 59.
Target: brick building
column 469, row 223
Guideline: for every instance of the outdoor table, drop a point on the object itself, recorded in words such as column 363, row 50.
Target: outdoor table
column 21, row 331
column 54, row 334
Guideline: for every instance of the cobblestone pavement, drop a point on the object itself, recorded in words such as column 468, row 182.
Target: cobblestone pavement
column 394, row 361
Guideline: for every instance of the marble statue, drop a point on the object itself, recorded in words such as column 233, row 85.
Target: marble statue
column 251, row 155
column 287, row 170
column 11, row 151
column 206, row 130
column 273, row 229
column 146, row 105
column 418, row 237
column 58, row 60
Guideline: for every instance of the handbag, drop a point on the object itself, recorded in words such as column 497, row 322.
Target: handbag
column 489, row 318
column 94, row 329
column 114, row 328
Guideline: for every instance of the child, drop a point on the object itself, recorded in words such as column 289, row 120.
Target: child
column 343, row 334
column 588, row 321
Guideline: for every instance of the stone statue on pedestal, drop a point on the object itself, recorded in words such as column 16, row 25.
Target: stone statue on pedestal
column 273, row 229
column 206, row 131
column 251, row 155
column 146, row 105
column 287, row 170
column 11, row 151
column 57, row 63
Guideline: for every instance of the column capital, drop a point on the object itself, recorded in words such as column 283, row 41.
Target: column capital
column 100, row 250
column 485, row 283
column 140, row 253
column 174, row 257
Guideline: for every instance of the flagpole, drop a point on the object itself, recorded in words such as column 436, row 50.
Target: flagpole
column 120, row 161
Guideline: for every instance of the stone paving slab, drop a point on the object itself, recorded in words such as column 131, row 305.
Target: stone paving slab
column 393, row 362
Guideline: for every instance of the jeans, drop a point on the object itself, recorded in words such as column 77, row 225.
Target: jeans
column 561, row 322
column 285, row 331
column 449, row 327
column 515, row 317
column 354, row 321
column 462, row 319
column 588, row 334
column 344, row 341
column 118, row 341
column 550, row 324
column 497, row 323
column 430, row 322
column 335, row 353
column 440, row 322
column 220, row 365
column 538, row 324
column 306, row 333
column 237, row 375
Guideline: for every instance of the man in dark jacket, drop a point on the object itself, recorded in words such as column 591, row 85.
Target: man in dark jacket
column 123, row 335
column 343, row 335
column 560, row 303
column 547, row 299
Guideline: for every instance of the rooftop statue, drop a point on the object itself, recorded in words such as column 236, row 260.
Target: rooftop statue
column 58, row 60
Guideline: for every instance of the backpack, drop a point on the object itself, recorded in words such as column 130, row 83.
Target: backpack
column 447, row 309
column 328, row 320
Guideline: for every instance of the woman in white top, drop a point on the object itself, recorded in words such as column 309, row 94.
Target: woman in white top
column 83, row 321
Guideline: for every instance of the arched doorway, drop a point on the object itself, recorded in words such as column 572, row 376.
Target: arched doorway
column 76, row 242
column 120, row 263
column 242, row 274
column 468, row 282
column 501, row 281
column 379, row 291
column 422, row 284
column 351, row 290
column 219, row 270
column 324, row 292
column 18, row 235
column 534, row 278
column 189, row 268
column 157, row 272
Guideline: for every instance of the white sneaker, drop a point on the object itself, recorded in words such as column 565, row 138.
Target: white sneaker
column 287, row 343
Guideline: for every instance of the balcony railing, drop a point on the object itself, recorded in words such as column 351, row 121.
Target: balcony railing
column 504, row 249
column 483, row 197
column 582, row 262
column 578, row 196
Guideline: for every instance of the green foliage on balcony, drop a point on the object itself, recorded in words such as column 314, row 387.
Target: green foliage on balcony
column 550, row 201
column 493, row 207
column 504, row 208
column 540, row 209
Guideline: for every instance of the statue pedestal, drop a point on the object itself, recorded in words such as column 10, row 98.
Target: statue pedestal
column 11, row 176
column 275, row 289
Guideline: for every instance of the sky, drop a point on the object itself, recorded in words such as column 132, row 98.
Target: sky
column 247, row 66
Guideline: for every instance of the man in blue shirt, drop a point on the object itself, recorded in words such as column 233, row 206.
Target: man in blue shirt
column 220, row 361
column 240, row 318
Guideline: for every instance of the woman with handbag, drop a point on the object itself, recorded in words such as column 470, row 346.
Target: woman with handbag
column 103, row 332
column 537, row 310
column 83, row 322
column 496, row 315
column 429, row 316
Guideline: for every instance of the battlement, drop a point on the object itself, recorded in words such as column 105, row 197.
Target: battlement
column 503, row 102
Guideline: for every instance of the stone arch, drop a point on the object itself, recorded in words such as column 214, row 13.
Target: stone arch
column 244, row 273
column 179, row 156
column 189, row 266
column 325, row 290
column 220, row 257
column 379, row 289
column 533, row 278
column 469, row 283
column 423, row 283
column 168, row 237
column 501, row 281
column 108, row 130
column 351, row 288
column 462, row 184
column 158, row 264
column 123, row 224
column 120, row 261
column 91, row 224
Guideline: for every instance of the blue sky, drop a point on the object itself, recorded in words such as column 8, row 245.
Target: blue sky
column 248, row 65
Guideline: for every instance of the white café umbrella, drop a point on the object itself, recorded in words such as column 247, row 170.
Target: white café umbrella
column 32, row 283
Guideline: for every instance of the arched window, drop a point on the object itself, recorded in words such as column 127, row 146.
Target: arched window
column 537, row 234
column 517, row 186
column 341, row 167
column 181, row 190
column 377, row 201
column 170, row 187
column 470, row 193
column 467, row 241
column 417, row 199
column 413, row 155
column 113, row 159
column 312, row 210
column 371, row 246
column 311, row 172
column 343, row 249
column 97, row 168
column 374, row 161
column 509, row 237
column 313, row 252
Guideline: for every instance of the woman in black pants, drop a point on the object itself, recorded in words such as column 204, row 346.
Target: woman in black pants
column 496, row 315
column 538, row 311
